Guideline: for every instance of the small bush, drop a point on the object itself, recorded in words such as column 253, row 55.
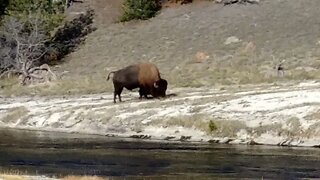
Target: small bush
column 3, row 7
column 140, row 9
column 212, row 126
column 69, row 37
column 51, row 12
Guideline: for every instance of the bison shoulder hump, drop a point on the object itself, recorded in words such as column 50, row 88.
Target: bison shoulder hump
column 148, row 73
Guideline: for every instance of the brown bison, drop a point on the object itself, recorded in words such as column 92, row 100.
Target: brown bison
column 145, row 76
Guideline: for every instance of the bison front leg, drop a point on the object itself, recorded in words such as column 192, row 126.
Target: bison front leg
column 142, row 92
column 153, row 92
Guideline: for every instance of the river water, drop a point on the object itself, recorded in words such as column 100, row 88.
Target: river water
column 58, row 154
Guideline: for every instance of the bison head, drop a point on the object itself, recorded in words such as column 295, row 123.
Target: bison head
column 160, row 87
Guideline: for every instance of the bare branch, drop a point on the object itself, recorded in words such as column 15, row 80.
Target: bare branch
column 35, row 76
column 9, row 72
column 22, row 46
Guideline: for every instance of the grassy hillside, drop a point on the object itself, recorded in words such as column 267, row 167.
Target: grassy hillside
column 188, row 43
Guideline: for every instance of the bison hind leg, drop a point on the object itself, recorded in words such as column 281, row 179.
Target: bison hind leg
column 118, row 92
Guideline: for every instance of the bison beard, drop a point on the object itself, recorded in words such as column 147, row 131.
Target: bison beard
column 145, row 76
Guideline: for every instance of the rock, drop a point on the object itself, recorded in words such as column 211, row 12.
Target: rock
column 250, row 48
column 231, row 40
column 169, row 137
column 140, row 136
column 225, row 140
column 253, row 1
column 201, row 57
column 252, row 142
column 229, row 2
column 214, row 141
column 185, row 138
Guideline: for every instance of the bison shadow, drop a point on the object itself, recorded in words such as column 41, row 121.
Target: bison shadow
column 171, row 95
column 167, row 96
column 151, row 98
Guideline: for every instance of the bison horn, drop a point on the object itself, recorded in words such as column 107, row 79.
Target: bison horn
column 155, row 85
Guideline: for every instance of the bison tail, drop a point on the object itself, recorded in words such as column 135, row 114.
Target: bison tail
column 110, row 74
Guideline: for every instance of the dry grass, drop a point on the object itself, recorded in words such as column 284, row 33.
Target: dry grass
column 294, row 127
column 13, row 177
column 228, row 128
column 197, row 121
column 223, row 75
column 15, row 114
column 84, row 85
column 313, row 116
column 313, row 130
column 216, row 127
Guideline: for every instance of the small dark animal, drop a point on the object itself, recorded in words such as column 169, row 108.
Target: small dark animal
column 145, row 76
column 279, row 67
column 280, row 70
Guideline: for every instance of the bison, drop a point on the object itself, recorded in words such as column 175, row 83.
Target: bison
column 145, row 76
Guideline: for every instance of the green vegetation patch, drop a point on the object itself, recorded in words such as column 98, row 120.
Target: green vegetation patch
column 212, row 126
column 140, row 9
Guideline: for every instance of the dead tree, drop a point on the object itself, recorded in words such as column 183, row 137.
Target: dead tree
column 23, row 45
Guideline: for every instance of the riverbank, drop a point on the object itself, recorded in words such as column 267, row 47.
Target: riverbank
column 61, row 155
column 274, row 114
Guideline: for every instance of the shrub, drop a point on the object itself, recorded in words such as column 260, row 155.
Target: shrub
column 22, row 45
column 69, row 37
column 212, row 126
column 51, row 12
column 26, row 43
column 3, row 6
column 140, row 9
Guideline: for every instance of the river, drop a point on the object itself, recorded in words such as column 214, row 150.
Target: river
column 58, row 154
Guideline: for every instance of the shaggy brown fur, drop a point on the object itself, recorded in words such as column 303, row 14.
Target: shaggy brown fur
column 145, row 76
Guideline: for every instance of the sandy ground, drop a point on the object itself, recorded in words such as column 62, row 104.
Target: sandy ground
column 27, row 177
column 24, row 177
column 286, row 114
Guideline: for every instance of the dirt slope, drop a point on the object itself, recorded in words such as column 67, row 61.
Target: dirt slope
column 107, row 11
column 285, row 29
